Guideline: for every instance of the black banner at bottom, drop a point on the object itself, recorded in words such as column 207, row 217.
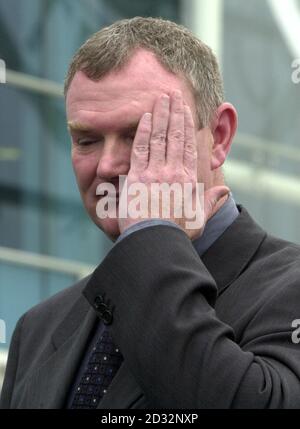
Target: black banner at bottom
column 133, row 418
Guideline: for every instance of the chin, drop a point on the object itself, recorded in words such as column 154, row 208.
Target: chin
column 110, row 227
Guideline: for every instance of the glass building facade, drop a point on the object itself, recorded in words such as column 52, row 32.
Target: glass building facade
column 47, row 240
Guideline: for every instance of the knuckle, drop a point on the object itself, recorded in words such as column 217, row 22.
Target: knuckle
column 167, row 174
column 176, row 135
column 178, row 110
column 158, row 137
column 147, row 177
column 133, row 177
column 190, row 149
column 176, row 176
column 141, row 149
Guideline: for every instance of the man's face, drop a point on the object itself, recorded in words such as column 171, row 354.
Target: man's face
column 103, row 117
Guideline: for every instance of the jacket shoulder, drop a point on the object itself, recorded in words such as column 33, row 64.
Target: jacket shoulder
column 47, row 315
column 62, row 299
column 274, row 250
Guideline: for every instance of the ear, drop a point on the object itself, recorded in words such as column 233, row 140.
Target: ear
column 223, row 130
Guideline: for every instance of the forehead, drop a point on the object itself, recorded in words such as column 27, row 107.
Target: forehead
column 134, row 87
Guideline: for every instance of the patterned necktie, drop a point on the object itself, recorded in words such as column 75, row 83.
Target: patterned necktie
column 101, row 368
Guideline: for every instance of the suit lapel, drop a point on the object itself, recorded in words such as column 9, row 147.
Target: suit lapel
column 49, row 384
column 231, row 253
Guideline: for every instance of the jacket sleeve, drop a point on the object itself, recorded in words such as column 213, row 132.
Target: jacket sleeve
column 180, row 352
column 11, row 367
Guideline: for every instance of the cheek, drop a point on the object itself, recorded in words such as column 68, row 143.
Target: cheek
column 85, row 168
column 204, row 163
column 204, row 156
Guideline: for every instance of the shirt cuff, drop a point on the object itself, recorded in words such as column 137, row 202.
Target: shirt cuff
column 145, row 224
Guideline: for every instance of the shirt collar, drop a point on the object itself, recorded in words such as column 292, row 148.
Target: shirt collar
column 217, row 225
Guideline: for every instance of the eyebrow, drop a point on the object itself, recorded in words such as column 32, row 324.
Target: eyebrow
column 76, row 126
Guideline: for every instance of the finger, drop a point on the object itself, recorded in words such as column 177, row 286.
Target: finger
column 190, row 145
column 158, row 141
column 176, row 131
column 212, row 197
column 141, row 145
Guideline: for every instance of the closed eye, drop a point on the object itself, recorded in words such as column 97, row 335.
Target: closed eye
column 130, row 138
column 85, row 142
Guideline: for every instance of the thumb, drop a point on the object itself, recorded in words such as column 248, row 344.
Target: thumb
column 211, row 198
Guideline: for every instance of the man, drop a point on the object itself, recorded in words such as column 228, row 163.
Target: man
column 174, row 317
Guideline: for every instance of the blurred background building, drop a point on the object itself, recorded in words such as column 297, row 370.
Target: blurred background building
column 46, row 239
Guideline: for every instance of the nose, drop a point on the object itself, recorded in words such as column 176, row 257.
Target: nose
column 114, row 159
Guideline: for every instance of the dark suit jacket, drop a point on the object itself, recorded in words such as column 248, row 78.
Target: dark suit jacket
column 195, row 333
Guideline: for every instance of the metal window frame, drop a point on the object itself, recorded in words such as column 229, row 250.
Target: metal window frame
column 44, row 262
column 34, row 84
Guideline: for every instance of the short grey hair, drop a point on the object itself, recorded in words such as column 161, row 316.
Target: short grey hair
column 175, row 47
